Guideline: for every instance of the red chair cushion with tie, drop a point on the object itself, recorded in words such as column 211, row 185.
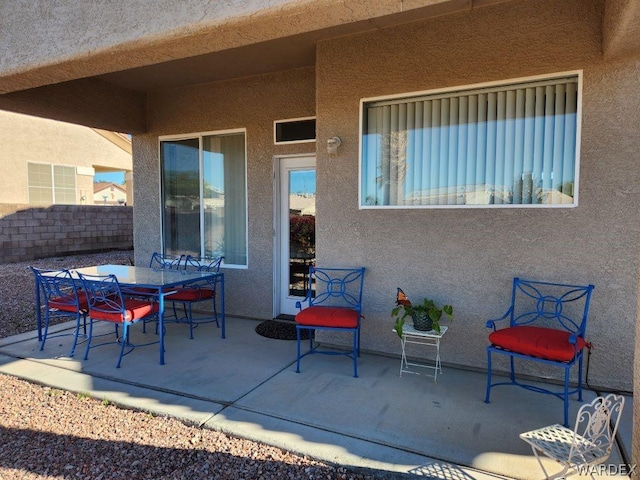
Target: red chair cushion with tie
column 190, row 295
column 135, row 309
column 328, row 317
column 67, row 302
column 540, row 342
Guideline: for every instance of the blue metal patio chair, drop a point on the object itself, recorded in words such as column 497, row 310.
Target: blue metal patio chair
column 165, row 261
column 334, row 303
column 107, row 303
column 193, row 294
column 158, row 261
column 547, row 324
column 59, row 298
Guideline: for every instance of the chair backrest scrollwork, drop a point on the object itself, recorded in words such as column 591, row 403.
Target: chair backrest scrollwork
column 597, row 423
column 553, row 305
column 336, row 287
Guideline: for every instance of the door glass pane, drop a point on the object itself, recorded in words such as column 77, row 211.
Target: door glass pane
column 181, row 196
column 302, row 229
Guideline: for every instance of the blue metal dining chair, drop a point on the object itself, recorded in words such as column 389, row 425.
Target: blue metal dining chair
column 334, row 303
column 59, row 299
column 107, row 303
column 164, row 261
column 158, row 261
column 206, row 292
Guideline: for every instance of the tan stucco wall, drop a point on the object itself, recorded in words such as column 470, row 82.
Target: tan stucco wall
column 252, row 104
column 466, row 257
column 25, row 139
column 43, row 35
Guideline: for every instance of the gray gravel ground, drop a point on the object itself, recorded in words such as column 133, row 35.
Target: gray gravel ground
column 52, row 434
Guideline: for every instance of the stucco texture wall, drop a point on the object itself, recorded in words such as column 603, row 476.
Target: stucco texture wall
column 468, row 257
column 252, row 104
column 25, row 139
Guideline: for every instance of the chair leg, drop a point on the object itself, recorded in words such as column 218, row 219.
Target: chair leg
column 46, row 329
column 580, row 377
column 75, row 336
column 567, row 370
column 486, row 399
column 355, row 354
column 86, row 351
column 190, row 320
column 298, row 346
column 512, row 374
column 215, row 311
column 125, row 340
column 558, row 475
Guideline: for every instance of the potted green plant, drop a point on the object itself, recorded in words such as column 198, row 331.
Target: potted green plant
column 426, row 315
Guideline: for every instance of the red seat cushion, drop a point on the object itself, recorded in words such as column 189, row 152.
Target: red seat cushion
column 190, row 295
column 328, row 317
column 135, row 310
column 547, row 343
column 67, row 302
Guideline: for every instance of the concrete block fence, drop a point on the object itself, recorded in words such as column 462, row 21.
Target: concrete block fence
column 28, row 233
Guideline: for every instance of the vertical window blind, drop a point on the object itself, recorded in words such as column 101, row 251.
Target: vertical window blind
column 507, row 145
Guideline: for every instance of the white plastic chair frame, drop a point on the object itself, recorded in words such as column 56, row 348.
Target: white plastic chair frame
column 589, row 443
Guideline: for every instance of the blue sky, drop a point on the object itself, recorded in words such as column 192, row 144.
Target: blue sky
column 303, row 182
column 115, row 177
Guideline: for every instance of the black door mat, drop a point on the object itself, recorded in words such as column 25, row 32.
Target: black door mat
column 280, row 330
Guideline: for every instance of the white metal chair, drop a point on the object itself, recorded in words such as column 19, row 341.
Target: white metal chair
column 589, row 443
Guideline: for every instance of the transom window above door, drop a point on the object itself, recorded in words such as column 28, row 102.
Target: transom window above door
column 204, row 195
column 509, row 145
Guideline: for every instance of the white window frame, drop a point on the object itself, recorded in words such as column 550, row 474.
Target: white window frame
column 53, row 185
column 199, row 136
column 461, row 89
column 292, row 142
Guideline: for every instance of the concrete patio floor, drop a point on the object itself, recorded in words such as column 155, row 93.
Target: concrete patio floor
column 246, row 385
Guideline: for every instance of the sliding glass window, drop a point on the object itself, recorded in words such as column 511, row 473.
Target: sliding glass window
column 51, row 184
column 514, row 144
column 204, row 198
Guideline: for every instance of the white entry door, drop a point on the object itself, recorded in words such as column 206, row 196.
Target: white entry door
column 296, row 230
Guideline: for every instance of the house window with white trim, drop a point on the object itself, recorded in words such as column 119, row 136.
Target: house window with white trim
column 204, row 199
column 512, row 145
column 51, row 184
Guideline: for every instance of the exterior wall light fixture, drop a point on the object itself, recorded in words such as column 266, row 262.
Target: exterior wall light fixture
column 332, row 145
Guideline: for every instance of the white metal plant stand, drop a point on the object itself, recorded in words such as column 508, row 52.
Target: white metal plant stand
column 430, row 338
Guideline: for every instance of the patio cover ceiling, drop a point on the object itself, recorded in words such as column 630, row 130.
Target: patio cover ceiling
column 107, row 87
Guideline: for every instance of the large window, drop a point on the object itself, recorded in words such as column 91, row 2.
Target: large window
column 204, row 196
column 51, row 184
column 505, row 145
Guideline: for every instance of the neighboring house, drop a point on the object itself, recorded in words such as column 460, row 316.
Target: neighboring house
column 108, row 193
column 50, row 162
column 478, row 140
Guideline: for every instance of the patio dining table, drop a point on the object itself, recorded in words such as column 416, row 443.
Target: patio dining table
column 160, row 282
